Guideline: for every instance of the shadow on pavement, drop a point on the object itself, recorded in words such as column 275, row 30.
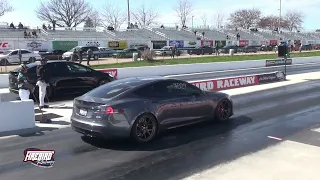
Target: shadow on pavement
column 36, row 131
column 173, row 138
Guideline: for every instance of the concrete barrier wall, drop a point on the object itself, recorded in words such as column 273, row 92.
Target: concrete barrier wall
column 4, row 81
column 12, row 118
column 186, row 68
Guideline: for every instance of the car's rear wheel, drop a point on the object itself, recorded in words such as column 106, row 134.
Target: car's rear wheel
column 4, row 62
column 144, row 128
column 95, row 57
column 223, row 110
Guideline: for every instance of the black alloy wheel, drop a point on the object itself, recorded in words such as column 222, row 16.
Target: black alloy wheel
column 144, row 129
column 223, row 110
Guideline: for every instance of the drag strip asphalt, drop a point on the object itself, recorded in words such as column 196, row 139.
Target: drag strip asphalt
column 279, row 112
column 291, row 69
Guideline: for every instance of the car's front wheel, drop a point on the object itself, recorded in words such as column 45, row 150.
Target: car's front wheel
column 223, row 110
column 144, row 129
column 4, row 62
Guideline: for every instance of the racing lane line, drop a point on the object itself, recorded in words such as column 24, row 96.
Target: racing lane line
column 71, row 151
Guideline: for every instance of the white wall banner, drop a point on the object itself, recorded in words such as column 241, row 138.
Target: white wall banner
column 92, row 43
column 6, row 45
column 34, row 45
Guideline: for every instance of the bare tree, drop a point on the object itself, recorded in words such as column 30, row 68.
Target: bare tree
column 69, row 13
column 219, row 19
column 96, row 19
column 184, row 10
column 145, row 16
column 294, row 19
column 204, row 19
column 5, row 7
column 271, row 23
column 245, row 18
column 113, row 16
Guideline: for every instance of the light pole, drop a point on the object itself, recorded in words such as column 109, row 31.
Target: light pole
column 279, row 18
column 192, row 22
column 128, row 3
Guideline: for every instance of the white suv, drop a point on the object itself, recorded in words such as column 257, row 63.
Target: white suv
column 12, row 56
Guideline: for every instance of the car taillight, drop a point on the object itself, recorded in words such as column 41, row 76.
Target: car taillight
column 109, row 110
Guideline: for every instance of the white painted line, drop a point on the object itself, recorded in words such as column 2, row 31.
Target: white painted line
column 273, row 137
column 316, row 130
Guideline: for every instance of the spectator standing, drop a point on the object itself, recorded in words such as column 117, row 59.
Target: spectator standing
column 90, row 53
column 20, row 56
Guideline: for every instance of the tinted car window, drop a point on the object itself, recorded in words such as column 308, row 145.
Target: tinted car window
column 76, row 68
column 168, row 89
column 114, row 88
column 25, row 52
column 59, row 69
column 14, row 53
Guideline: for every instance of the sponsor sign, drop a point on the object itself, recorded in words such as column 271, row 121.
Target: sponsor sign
column 191, row 44
column 64, row 45
column 270, row 77
column 38, row 157
column 178, row 43
column 112, row 72
column 209, row 43
column 273, row 42
column 34, row 45
column 243, row 43
column 6, row 45
column 278, row 62
column 227, row 83
column 93, row 43
column 118, row 44
column 158, row 44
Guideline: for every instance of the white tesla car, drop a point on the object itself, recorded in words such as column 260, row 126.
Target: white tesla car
column 12, row 56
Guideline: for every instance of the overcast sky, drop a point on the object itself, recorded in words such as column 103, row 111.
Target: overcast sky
column 24, row 9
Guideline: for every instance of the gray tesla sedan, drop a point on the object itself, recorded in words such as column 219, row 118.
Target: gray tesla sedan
column 141, row 107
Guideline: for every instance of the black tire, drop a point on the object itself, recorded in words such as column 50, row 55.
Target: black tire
column 95, row 57
column 223, row 110
column 4, row 62
column 140, row 135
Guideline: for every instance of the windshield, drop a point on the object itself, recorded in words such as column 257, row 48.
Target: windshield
column 7, row 52
column 71, row 50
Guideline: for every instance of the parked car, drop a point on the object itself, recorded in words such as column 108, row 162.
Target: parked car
column 142, row 107
column 53, row 55
column 12, row 57
column 84, row 49
column 64, row 78
column 166, row 51
column 306, row 47
column 105, row 52
column 126, row 53
column 201, row 50
column 226, row 49
column 249, row 49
